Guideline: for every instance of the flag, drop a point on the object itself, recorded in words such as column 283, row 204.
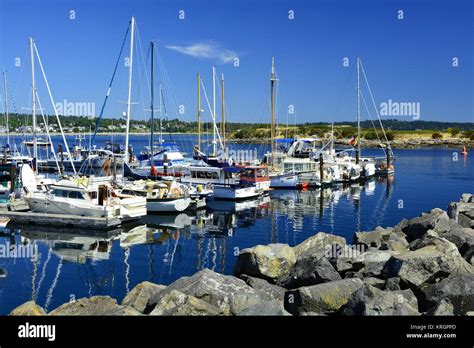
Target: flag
column 353, row 141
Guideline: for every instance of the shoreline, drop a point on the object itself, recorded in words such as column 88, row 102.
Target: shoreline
column 423, row 266
column 395, row 144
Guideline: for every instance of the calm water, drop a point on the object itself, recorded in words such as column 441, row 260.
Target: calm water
column 161, row 249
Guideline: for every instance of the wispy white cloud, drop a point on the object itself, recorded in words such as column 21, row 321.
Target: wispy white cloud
column 206, row 50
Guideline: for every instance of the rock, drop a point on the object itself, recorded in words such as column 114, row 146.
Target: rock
column 427, row 265
column 95, row 305
column 125, row 311
column 264, row 289
column 373, row 238
column 458, row 289
column 436, row 220
column 467, row 198
column 462, row 237
column 309, row 271
column 267, row 308
column 177, row 303
column 463, row 211
column 396, row 242
column 442, row 308
column 371, row 263
column 375, row 282
column 392, row 284
column 228, row 293
column 319, row 245
column 321, row 298
column 265, row 261
column 29, row 308
column 429, row 238
column 140, row 294
column 369, row 300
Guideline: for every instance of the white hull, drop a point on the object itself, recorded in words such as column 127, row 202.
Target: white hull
column 283, row 180
column 41, row 203
column 168, row 205
column 236, row 192
column 133, row 208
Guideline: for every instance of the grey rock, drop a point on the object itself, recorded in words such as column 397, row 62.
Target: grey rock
column 95, row 305
column 267, row 308
column 372, row 262
column 265, row 261
column 140, row 294
column 373, row 238
column 436, row 220
column 228, row 293
column 444, row 307
column 125, row 311
column 29, row 308
column 264, row 289
column 458, row 289
column 427, row 265
column 177, row 303
column 462, row 237
column 309, row 271
column 369, row 300
column 319, row 245
column 392, row 284
column 321, row 298
column 375, row 282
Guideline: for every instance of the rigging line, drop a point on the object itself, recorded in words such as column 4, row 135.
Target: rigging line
column 54, row 107
column 49, row 295
column 370, row 116
column 214, row 116
column 47, row 132
column 375, row 107
column 43, row 274
column 97, row 122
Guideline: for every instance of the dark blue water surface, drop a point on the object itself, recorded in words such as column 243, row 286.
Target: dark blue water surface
column 160, row 249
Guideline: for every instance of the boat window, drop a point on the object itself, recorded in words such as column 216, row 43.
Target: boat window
column 227, row 175
column 201, row 175
column 93, row 195
column 75, row 195
column 298, row 166
column 288, row 167
column 59, row 193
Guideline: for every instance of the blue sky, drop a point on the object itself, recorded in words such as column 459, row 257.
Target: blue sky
column 407, row 60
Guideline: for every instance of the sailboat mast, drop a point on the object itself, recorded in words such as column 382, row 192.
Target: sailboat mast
column 214, row 143
column 6, row 104
column 223, row 117
column 161, row 115
column 358, row 113
column 152, row 126
column 132, row 27
column 199, row 110
column 33, row 105
column 272, row 130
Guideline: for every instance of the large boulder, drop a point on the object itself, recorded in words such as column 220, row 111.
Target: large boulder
column 228, row 293
column 463, row 211
column 442, row 308
column 371, row 263
column 140, row 294
column 436, row 220
column 458, row 289
column 319, row 245
column 267, row 308
column 267, row 291
column 321, row 298
column 373, row 238
column 265, row 261
column 125, row 311
column 177, row 303
column 95, row 305
column 462, row 237
column 309, row 271
column 29, row 308
column 369, row 300
column 428, row 264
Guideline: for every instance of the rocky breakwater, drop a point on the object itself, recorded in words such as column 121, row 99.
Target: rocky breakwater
column 421, row 266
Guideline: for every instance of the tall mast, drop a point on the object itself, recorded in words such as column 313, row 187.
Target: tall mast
column 223, row 117
column 161, row 115
column 358, row 114
column 132, row 26
column 6, row 104
column 272, row 129
column 214, row 143
column 33, row 111
column 152, row 127
column 199, row 110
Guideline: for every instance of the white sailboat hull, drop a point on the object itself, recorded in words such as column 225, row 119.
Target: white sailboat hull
column 169, row 205
column 283, row 180
column 133, row 208
column 235, row 192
